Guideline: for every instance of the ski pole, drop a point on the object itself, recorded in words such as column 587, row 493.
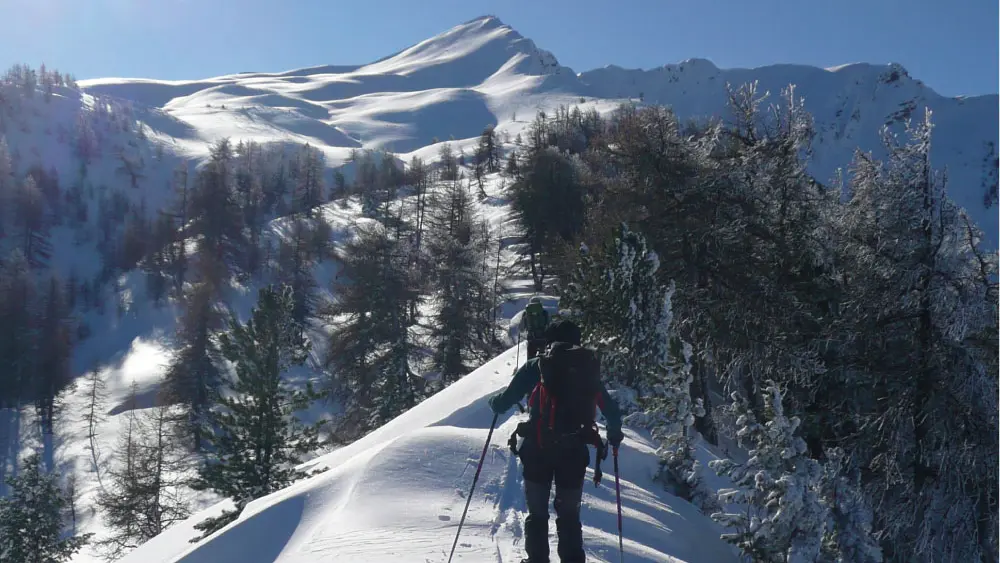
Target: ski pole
column 517, row 351
column 474, row 480
column 618, row 498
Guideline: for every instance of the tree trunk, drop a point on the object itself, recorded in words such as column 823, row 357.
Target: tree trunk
column 700, row 390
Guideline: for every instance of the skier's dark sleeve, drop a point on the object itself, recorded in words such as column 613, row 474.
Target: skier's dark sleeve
column 611, row 411
column 525, row 379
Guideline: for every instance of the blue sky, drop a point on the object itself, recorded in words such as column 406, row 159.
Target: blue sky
column 951, row 45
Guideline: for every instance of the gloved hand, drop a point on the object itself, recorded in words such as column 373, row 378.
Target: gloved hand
column 493, row 402
column 615, row 437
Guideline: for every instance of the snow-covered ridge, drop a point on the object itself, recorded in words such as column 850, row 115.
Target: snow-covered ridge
column 397, row 495
column 483, row 72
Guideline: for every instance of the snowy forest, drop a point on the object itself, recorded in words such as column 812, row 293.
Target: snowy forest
column 842, row 333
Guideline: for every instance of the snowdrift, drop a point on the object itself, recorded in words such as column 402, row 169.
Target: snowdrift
column 397, row 495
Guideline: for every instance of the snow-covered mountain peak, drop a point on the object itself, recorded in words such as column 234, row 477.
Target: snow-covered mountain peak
column 483, row 72
column 470, row 52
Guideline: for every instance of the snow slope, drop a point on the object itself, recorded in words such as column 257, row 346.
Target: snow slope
column 398, row 494
column 483, row 73
column 449, row 86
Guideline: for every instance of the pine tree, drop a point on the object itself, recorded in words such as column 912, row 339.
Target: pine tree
column 192, row 378
column 86, row 144
column 548, row 201
column 489, row 149
column 45, row 78
column 31, row 526
column 215, row 216
column 119, row 503
column 418, row 179
column 512, row 170
column 7, row 191
column 54, row 348
column 626, row 313
column 670, row 414
column 258, row 440
column 156, row 263
column 779, row 487
column 623, row 309
column 18, row 329
column 31, row 223
column 131, row 167
column 179, row 214
column 448, row 164
column 309, row 192
column 296, row 259
column 366, row 181
column 339, row 185
column 251, row 200
column 487, row 156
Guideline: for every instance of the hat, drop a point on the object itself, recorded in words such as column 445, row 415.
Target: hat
column 535, row 299
column 563, row 330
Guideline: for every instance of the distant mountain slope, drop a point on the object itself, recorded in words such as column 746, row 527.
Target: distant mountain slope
column 483, row 72
column 849, row 105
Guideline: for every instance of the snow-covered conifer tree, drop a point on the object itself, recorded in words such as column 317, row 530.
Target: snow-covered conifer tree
column 923, row 300
column 849, row 536
column 623, row 309
column 625, row 312
column 31, row 524
column 781, row 518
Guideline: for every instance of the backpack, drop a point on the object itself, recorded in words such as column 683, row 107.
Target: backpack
column 567, row 396
column 536, row 320
column 568, row 391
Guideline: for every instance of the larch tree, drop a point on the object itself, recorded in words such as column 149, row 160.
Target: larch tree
column 370, row 344
column 458, row 247
column 924, row 297
column 144, row 495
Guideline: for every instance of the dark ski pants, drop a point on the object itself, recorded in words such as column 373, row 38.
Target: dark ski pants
column 568, row 468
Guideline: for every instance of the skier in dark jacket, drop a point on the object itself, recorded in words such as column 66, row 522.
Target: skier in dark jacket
column 535, row 320
column 564, row 458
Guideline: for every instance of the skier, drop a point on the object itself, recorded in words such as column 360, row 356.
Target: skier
column 565, row 388
column 535, row 319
